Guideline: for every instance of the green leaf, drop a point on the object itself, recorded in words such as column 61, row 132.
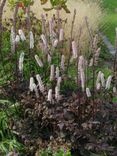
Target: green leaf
column 48, row 9
column 43, row 2
column 114, row 100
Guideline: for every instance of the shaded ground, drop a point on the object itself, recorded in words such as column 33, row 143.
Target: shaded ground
column 67, row 124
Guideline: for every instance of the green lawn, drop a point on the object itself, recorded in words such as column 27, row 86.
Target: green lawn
column 110, row 19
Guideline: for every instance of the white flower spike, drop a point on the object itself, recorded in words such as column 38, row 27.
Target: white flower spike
column 21, row 60
column 21, row 34
column 39, row 62
column 88, row 93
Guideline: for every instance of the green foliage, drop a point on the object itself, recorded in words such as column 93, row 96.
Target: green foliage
column 23, row 2
column 61, row 4
column 8, row 141
column 60, row 152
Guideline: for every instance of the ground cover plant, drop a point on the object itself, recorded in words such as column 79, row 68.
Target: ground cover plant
column 62, row 100
column 110, row 19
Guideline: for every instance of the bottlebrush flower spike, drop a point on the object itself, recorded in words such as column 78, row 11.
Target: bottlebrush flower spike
column 21, row 60
column 31, row 40
column 51, row 27
column 59, row 80
column 88, row 93
column 12, row 40
column 95, row 41
column 49, row 59
column 21, row 34
column 97, row 55
column 81, row 63
column 40, row 83
column 17, row 39
column 74, row 49
column 57, row 72
column 57, row 93
column 114, row 90
column 35, row 90
column 63, row 62
column 49, row 95
column 12, row 36
column 43, row 22
column 82, row 77
column 52, row 73
column 98, row 86
column 31, row 84
column 43, row 38
column 102, row 79
column 61, row 35
column 91, row 62
column 108, row 82
column 98, row 77
column 55, row 43
column 39, row 62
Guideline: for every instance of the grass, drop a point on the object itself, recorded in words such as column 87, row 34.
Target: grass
column 110, row 19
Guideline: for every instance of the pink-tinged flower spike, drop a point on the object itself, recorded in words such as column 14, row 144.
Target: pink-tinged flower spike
column 51, row 27
column 17, row 39
column 88, row 93
column 81, row 63
column 52, row 73
column 21, row 60
column 82, row 77
column 40, row 83
column 91, row 62
column 57, row 72
column 31, row 40
column 43, row 23
column 12, row 40
column 49, row 59
column 61, row 35
column 97, row 55
column 98, row 77
column 98, row 86
column 55, row 43
column 108, row 82
column 43, row 38
column 74, row 49
column 21, row 34
column 57, row 93
column 102, row 79
column 31, row 84
column 114, row 90
column 59, row 80
column 12, row 36
column 95, row 41
column 63, row 62
column 39, row 62
column 35, row 90
column 50, row 95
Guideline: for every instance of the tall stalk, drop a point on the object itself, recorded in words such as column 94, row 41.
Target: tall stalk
column 1, row 27
column 115, row 61
column 28, row 22
column 13, row 49
column 93, row 67
column 14, row 25
column 71, row 38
